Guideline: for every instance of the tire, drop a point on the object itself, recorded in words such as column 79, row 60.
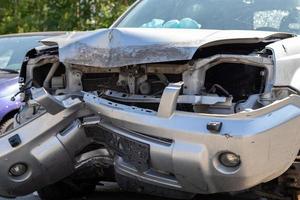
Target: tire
column 66, row 190
column 6, row 126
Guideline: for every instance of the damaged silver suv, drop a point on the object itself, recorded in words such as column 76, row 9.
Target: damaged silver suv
column 177, row 98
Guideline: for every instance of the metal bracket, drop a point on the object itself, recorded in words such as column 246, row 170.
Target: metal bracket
column 169, row 99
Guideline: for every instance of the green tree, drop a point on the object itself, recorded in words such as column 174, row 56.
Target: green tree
column 17, row 16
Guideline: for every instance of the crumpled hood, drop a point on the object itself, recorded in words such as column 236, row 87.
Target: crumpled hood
column 122, row 47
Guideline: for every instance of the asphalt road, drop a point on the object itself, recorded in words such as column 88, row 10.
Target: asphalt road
column 131, row 196
column 112, row 192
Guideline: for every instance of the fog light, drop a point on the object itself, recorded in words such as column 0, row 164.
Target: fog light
column 229, row 159
column 18, row 170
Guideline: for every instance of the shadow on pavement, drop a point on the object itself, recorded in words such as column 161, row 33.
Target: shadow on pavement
column 111, row 191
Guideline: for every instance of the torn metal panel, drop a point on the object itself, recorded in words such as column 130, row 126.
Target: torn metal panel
column 120, row 47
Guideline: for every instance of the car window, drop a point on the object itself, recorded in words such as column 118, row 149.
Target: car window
column 13, row 50
column 267, row 15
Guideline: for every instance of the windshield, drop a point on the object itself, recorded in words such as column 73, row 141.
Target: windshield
column 13, row 50
column 266, row 15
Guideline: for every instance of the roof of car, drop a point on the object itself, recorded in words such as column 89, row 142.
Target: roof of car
column 33, row 34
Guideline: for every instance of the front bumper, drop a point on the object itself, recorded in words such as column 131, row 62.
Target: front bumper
column 184, row 154
column 48, row 149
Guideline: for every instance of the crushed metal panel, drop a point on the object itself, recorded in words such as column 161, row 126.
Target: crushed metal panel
column 129, row 46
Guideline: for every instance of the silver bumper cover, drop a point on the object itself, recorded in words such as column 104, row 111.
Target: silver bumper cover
column 46, row 148
column 184, row 154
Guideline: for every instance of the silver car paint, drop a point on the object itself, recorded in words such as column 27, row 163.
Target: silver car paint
column 193, row 155
column 287, row 60
column 46, row 148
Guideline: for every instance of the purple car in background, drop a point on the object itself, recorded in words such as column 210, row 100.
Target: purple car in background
column 12, row 52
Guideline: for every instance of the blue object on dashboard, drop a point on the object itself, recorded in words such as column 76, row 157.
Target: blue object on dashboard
column 155, row 23
column 189, row 23
column 186, row 23
column 172, row 24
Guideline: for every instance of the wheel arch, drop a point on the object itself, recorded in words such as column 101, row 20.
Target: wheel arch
column 9, row 115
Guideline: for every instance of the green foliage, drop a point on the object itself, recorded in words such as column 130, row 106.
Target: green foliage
column 17, row 16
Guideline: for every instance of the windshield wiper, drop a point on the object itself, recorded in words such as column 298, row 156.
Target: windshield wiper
column 9, row 71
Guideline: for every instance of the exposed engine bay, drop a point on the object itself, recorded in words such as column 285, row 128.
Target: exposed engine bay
column 223, row 83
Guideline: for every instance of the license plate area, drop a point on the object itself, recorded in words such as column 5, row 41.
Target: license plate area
column 132, row 151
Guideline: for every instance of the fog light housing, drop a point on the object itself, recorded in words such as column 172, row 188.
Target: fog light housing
column 229, row 159
column 18, row 170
